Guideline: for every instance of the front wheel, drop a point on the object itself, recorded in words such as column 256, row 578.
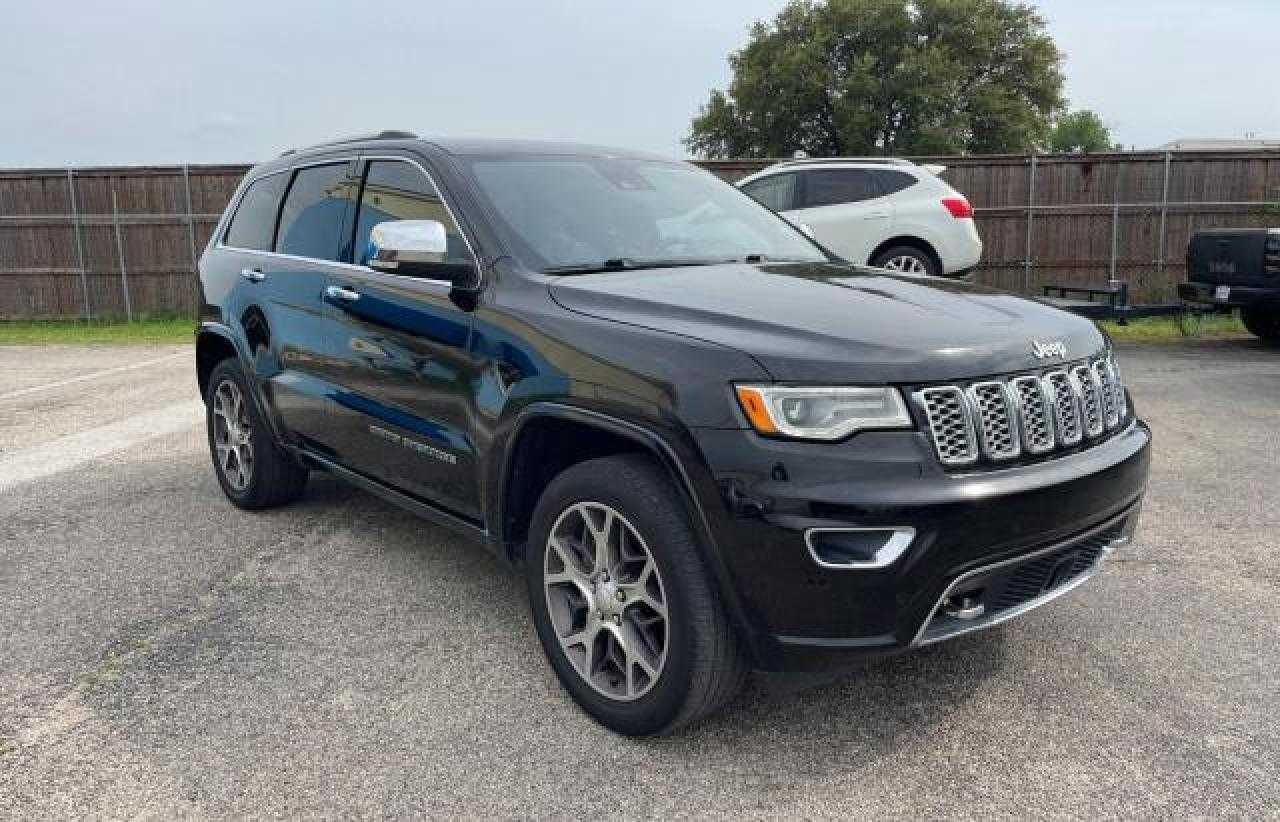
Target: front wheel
column 1262, row 321
column 622, row 604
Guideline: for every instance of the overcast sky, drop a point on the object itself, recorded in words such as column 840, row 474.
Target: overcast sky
column 168, row 81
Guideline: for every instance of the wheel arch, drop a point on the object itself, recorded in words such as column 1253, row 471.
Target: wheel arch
column 545, row 439
column 214, row 343
column 518, row 493
column 911, row 241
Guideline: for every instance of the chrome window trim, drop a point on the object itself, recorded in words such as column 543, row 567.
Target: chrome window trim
column 475, row 258
column 228, row 214
column 225, row 223
column 1031, row 604
column 889, row 553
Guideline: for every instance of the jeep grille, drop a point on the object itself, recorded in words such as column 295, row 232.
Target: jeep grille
column 1028, row 414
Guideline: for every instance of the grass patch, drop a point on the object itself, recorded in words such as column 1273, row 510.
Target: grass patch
column 1174, row 329
column 80, row 332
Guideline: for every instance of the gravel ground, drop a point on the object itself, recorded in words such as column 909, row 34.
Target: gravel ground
column 165, row 654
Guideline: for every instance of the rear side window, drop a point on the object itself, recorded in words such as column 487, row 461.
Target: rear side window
column 891, row 182
column 834, row 186
column 315, row 211
column 254, row 223
column 776, row 193
column 397, row 190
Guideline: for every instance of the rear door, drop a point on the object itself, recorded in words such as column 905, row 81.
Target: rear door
column 776, row 192
column 407, row 382
column 846, row 209
column 284, row 233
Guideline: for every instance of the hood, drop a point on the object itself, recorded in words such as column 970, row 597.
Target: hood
column 837, row 323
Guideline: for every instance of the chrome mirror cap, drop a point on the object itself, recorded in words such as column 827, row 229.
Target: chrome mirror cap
column 407, row 241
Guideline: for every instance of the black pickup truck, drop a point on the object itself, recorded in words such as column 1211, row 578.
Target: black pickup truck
column 1237, row 268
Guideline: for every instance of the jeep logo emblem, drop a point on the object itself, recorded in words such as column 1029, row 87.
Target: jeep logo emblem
column 1048, row 348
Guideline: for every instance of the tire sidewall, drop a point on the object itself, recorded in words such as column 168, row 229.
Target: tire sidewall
column 662, row 704
column 258, row 438
column 1263, row 322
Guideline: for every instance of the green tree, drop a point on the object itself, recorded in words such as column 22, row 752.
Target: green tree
column 846, row 77
column 1080, row 131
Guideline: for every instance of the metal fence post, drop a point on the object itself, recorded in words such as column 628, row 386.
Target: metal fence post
column 1031, row 213
column 124, row 274
column 76, row 230
column 1164, row 211
column 1115, row 237
column 191, row 231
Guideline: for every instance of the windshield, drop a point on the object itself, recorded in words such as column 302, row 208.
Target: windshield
column 574, row 212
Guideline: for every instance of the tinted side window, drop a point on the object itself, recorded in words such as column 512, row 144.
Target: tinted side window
column 254, row 222
column 891, row 182
column 315, row 210
column 776, row 193
column 846, row 185
column 397, row 190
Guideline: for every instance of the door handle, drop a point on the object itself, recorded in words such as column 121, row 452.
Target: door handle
column 253, row 275
column 877, row 215
column 337, row 292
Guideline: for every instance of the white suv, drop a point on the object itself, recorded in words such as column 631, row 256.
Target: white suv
column 886, row 213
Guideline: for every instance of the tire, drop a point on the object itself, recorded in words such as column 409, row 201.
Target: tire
column 268, row 476
column 1262, row 321
column 681, row 664
column 907, row 260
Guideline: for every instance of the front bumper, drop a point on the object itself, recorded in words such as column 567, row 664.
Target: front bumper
column 974, row 532
column 1240, row 296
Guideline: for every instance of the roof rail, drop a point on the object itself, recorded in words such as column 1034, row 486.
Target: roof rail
column 888, row 161
column 388, row 134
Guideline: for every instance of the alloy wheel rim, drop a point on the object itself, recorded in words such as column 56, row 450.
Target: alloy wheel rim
column 232, row 435
column 606, row 600
column 906, row 265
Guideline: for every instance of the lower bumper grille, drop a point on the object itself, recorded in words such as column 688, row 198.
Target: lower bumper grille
column 995, row 593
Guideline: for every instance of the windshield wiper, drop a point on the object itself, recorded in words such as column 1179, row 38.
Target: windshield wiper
column 625, row 264
column 756, row 259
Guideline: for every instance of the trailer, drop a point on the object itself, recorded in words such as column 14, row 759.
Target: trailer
column 1111, row 302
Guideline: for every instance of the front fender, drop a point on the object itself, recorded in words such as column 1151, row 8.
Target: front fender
column 679, row 455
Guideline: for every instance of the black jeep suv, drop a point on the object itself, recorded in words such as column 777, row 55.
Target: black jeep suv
column 710, row 444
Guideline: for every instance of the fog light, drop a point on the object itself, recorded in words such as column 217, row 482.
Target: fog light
column 858, row 548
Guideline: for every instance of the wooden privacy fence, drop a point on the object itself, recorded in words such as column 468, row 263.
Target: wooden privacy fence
column 119, row 242
column 106, row 242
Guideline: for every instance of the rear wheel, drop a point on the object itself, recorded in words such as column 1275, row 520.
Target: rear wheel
column 906, row 259
column 253, row 471
column 1262, row 321
column 622, row 604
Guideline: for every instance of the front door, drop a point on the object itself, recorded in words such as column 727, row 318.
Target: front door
column 404, row 402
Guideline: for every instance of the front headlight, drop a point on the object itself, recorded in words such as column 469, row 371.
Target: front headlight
column 818, row 413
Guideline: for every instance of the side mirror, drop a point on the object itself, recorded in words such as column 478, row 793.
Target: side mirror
column 417, row 248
